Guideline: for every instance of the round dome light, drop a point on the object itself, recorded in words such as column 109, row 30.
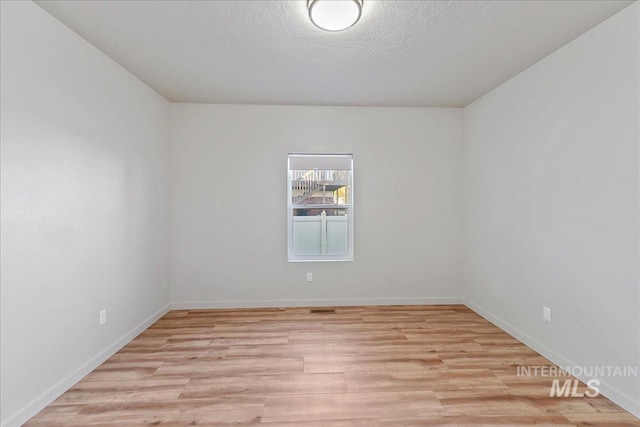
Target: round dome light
column 334, row 15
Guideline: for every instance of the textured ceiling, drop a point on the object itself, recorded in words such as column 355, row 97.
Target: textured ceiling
column 401, row 53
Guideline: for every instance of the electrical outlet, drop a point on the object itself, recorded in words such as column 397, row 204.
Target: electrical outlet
column 309, row 277
column 103, row 317
column 546, row 314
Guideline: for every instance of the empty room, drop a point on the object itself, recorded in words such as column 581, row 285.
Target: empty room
column 320, row 213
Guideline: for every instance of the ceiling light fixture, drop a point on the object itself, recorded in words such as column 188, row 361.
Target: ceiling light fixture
column 334, row 15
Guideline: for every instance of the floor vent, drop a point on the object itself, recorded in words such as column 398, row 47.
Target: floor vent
column 322, row 311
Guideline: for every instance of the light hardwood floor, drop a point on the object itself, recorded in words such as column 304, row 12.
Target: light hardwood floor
column 394, row 366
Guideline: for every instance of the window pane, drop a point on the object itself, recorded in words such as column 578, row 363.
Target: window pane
column 320, row 231
column 320, row 187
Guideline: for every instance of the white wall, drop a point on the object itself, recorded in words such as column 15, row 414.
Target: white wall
column 229, row 178
column 84, row 207
column 551, row 214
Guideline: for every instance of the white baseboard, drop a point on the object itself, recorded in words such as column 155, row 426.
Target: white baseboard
column 625, row 401
column 40, row 402
column 194, row 305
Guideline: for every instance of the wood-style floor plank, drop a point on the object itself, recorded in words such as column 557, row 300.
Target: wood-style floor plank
column 314, row 407
column 480, row 421
column 264, row 385
column 391, row 366
column 460, row 379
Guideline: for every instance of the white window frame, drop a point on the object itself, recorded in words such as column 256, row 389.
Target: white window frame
column 349, row 208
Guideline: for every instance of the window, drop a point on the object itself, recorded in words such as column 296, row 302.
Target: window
column 320, row 207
